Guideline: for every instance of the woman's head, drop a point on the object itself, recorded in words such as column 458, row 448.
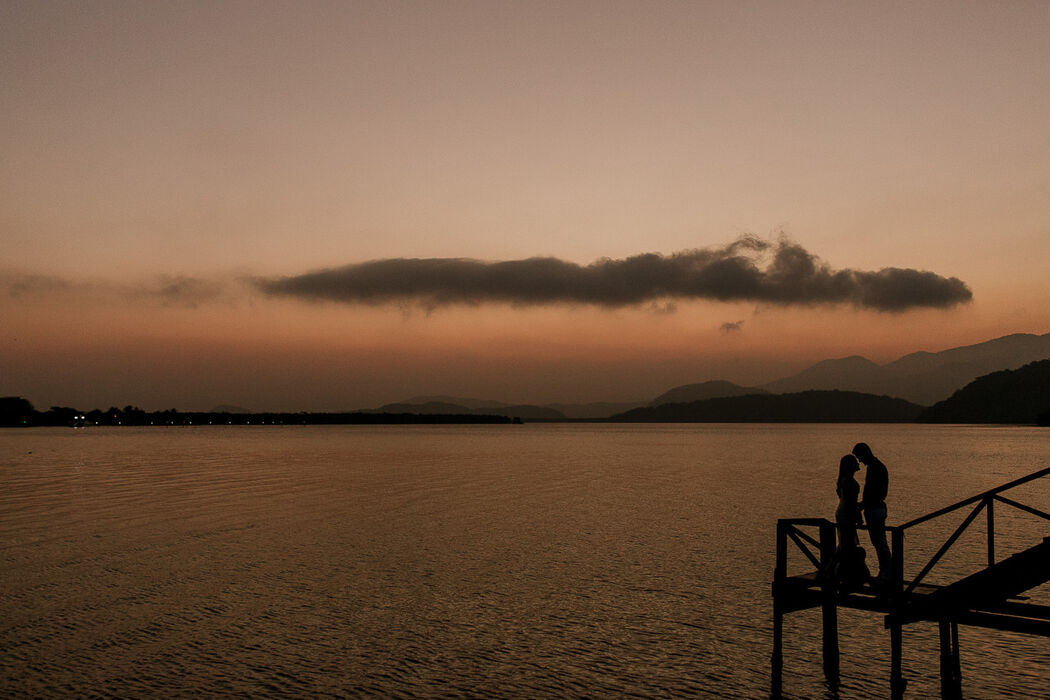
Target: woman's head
column 848, row 465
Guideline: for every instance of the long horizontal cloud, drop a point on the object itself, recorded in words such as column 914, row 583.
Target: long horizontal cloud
column 165, row 290
column 749, row 269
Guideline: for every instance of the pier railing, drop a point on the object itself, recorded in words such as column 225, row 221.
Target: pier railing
column 819, row 550
column 980, row 599
column 984, row 502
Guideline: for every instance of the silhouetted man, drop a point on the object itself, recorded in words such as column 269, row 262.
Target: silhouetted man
column 873, row 503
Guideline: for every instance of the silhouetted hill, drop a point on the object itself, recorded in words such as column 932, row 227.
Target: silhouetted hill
column 523, row 411
column 1009, row 396
column 591, row 411
column 563, row 411
column 528, row 412
column 546, row 412
column 802, row 407
column 16, row 411
column 854, row 373
column 429, row 408
column 455, row 400
column 704, row 390
column 920, row 377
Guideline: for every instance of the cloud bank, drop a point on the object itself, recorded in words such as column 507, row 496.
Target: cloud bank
column 748, row 269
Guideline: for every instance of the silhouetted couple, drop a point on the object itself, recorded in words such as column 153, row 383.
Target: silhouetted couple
column 872, row 504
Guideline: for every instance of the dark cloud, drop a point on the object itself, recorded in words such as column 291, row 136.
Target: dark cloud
column 748, row 269
column 731, row 326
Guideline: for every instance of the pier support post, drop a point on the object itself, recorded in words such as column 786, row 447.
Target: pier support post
column 779, row 574
column 897, row 682
column 777, row 662
column 896, row 590
column 955, row 657
column 829, row 606
column 951, row 671
column 946, row 658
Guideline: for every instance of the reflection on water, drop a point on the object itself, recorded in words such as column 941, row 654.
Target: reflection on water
column 465, row 560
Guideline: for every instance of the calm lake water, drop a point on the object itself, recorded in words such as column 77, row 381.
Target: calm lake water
column 469, row 561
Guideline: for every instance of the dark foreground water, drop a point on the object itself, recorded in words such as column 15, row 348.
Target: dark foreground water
column 474, row 561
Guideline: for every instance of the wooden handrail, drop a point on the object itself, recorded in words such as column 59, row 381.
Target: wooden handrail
column 984, row 500
column 1022, row 506
column 789, row 527
column 973, row 499
column 794, row 535
column 945, row 547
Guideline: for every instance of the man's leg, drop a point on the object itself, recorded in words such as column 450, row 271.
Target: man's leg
column 876, row 521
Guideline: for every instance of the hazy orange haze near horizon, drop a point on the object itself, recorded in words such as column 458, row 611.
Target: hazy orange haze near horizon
column 212, row 142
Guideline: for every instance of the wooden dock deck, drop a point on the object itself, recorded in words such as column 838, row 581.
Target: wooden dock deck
column 989, row 598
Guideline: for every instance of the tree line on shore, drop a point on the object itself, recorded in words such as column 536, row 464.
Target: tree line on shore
column 16, row 411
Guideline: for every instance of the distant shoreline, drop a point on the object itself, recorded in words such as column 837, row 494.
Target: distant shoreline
column 174, row 418
column 290, row 420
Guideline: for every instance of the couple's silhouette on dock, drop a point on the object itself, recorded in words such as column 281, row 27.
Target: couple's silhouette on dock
column 992, row 597
column 856, row 508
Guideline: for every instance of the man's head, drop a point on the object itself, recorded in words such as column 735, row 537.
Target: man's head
column 862, row 452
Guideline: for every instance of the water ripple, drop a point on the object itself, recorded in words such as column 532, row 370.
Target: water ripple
column 481, row 561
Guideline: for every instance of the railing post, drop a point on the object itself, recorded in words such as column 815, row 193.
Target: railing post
column 897, row 557
column 780, row 568
column 829, row 606
column 991, row 530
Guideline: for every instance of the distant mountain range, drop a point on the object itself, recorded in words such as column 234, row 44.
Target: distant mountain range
column 920, row 378
column 1004, row 380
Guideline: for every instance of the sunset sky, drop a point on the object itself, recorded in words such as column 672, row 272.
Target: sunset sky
column 329, row 206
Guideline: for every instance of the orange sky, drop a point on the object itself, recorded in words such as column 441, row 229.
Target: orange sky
column 222, row 140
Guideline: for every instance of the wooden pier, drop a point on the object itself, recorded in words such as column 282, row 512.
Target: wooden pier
column 987, row 598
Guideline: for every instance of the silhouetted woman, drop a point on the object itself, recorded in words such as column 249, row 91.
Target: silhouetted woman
column 847, row 515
